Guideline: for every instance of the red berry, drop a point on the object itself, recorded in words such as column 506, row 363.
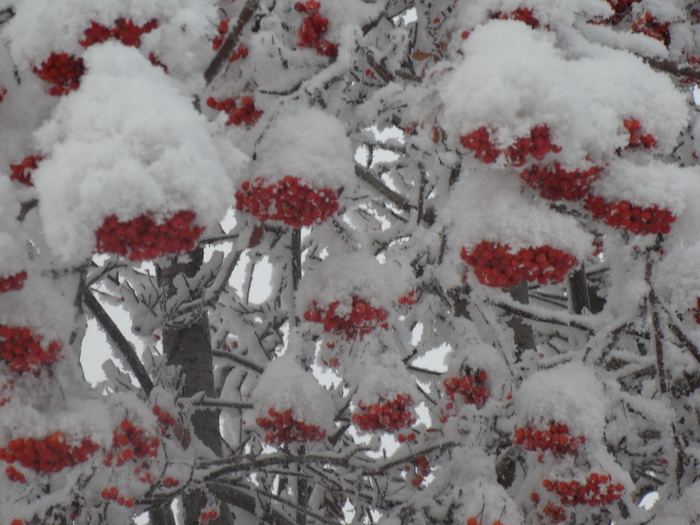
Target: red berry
column 63, row 71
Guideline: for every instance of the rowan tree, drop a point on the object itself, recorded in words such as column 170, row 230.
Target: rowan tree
column 477, row 221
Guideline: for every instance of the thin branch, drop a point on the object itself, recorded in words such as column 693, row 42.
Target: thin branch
column 672, row 67
column 377, row 184
column 528, row 313
column 211, row 402
column 239, row 360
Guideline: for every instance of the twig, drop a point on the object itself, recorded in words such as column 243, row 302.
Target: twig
column 382, row 188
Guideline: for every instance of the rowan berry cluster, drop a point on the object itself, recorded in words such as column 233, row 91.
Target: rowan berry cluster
column 408, row 299
column 470, row 386
column 112, row 494
column 555, row 183
column 291, row 200
column 207, row 515
column 596, row 491
column 495, row 265
column 7, row 386
column 240, row 52
column 21, row 349
column 537, row 145
column 142, row 238
column 421, row 468
column 474, row 521
column 49, row 454
column 22, row 172
column 221, row 30
column 13, row 282
column 242, row 110
column 15, row 475
column 555, row 513
column 362, row 318
column 637, row 136
column 17, row 522
column 695, row 311
column 622, row 6
column 170, row 482
column 392, row 414
column 62, row 71
column 313, row 27
column 523, row 14
column 124, row 30
column 555, row 439
column 165, row 420
column 651, row 27
column 282, row 428
column 130, row 442
column 630, row 217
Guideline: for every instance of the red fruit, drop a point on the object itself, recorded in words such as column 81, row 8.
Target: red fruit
column 15, row 475
column 170, row 482
column 554, row 183
column 313, row 27
column 556, row 439
column 240, row 52
column 13, row 282
column 49, row 454
column 630, row 217
column 22, row 350
column 637, row 137
column 471, row 387
column 651, row 27
column 63, row 71
column 222, row 29
column 393, row 414
column 3, row 92
column 240, row 111
column 283, row 428
column 22, row 172
column 596, row 491
column 358, row 322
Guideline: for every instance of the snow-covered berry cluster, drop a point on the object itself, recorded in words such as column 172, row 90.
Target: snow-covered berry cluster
column 648, row 25
column 352, row 321
column 555, row 439
column 113, row 494
column 390, row 414
column 555, row 183
column 475, row 521
column 637, row 136
column 597, row 490
column 495, row 265
column 165, row 420
column 207, row 515
column 131, row 442
column 522, row 14
column 313, row 27
column 22, row 172
column 537, row 145
column 22, row 350
column 142, row 238
column 13, row 282
column 470, row 387
column 291, row 200
column 124, row 30
column 15, row 475
column 554, row 513
column 635, row 219
column 221, row 31
column 62, row 71
column 417, row 472
column 241, row 110
column 282, row 428
column 50, row 454
column 240, row 52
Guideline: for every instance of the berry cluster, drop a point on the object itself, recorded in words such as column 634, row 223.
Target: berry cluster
column 495, row 265
column 408, row 299
column 50, row 454
column 695, row 311
column 165, row 420
column 170, row 482
column 392, row 414
column 474, row 521
column 421, row 468
column 555, row 183
column 124, row 30
column 555, row 439
column 63, row 71
column 112, row 494
column 523, row 14
column 240, row 52
column 630, row 217
column 21, row 349
column 555, row 513
column 622, row 6
column 153, row 59
column 15, row 475
column 537, row 145
column 130, row 442
column 242, row 110
column 7, row 386
column 637, row 136
column 207, row 515
column 282, row 428
column 356, row 323
column 596, row 491
column 13, row 282
column 22, row 172
column 291, row 200
column 17, row 522
column 142, row 238
column 651, row 27
column 222, row 29
column 313, row 27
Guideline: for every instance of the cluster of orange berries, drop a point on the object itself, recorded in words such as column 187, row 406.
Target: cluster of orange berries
column 15, row 475
column 291, row 200
column 555, row 439
column 13, row 282
column 62, row 71
column 165, row 420
column 22, row 172
column 637, row 136
column 221, row 30
column 597, row 490
column 112, row 494
column 241, row 110
column 648, row 25
column 628, row 216
column 537, row 145
column 142, row 238
column 130, row 442
column 170, row 482
column 392, row 414
column 555, row 183
column 282, row 428
column 124, row 30
column 207, row 515
column 470, row 386
column 49, row 454
column 522, row 14
column 313, row 27
column 362, row 319
column 495, row 265
column 21, row 349
column 421, row 469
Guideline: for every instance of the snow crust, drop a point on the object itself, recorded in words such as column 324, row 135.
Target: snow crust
column 12, row 258
column 127, row 142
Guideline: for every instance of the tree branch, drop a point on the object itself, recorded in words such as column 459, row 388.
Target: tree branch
column 377, row 184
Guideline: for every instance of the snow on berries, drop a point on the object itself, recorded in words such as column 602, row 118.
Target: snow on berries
column 637, row 136
column 630, row 217
column 385, row 414
column 22, row 350
column 49, row 454
column 208, row 515
column 537, row 145
column 144, row 238
column 282, row 428
column 124, row 30
column 292, row 200
column 648, row 25
column 469, row 388
column 555, row 438
column 553, row 182
column 598, row 489
column 13, row 272
column 240, row 110
column 353, row 321
column 313, row 27
column 62, row 71
column 22, row 172
column 113, row 494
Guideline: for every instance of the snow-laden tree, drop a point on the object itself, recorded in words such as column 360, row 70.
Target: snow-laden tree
column 477, row 220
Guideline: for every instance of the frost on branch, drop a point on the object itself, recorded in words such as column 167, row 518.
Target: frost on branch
column 148, row 157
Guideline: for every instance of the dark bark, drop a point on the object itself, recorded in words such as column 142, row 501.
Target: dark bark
column 578, row 290
column 523, row 336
